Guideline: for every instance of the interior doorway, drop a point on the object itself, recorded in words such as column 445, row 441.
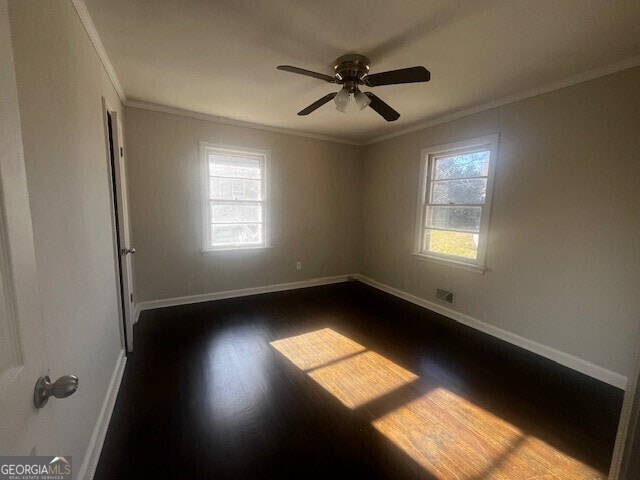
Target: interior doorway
column 119, row 209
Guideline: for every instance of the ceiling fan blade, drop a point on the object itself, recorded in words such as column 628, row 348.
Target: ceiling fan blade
column 388, row 113
column 317, row 104
column 404, row 75
column 308, row 73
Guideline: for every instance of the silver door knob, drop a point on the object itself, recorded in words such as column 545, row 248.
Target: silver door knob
column 62, row 388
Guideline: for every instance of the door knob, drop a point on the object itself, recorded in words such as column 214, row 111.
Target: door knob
column 61, row 388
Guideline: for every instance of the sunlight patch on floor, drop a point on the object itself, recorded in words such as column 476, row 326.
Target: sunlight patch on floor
column 456, row 440
column 343, row 367
column 448, row 436
column 362, row 378
column 318, row 348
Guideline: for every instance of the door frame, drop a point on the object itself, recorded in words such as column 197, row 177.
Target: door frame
column 119, row 223
column 628, row 424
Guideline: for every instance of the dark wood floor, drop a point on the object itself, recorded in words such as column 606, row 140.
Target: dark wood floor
column 205, row 395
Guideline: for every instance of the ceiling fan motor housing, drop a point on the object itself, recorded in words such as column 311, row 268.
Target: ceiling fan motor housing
column 351, row 69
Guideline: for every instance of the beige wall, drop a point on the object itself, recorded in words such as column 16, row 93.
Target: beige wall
column 565, row 225
column 315, row 194
column 564, row 265
column 60, row 84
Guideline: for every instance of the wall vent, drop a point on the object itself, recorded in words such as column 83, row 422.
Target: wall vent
column 445, row 296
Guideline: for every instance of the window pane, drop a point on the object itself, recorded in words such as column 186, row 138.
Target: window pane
column 229, row 166
column 234, row 189
column 454, row 218
column 474, row 164
column 236, row 213
column 236, row 235
column 459, row 244
column 471, row 190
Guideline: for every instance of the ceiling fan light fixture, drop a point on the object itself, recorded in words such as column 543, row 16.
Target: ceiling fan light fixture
column 362, row 100
column 352, row 71
column 342, row 100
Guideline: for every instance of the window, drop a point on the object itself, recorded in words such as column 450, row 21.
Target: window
column 234, row 193
column 454, row 202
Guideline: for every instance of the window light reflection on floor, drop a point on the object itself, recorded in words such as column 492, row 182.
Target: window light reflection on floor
column 318, row 348
column 343, row 367
column 362, row 378
column 454, row 439
column 448, row 436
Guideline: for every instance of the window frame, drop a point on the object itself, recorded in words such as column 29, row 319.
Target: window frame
column 427, row 157
column 264, row 156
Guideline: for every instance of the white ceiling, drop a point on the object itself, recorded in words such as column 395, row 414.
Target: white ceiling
column 219, row 57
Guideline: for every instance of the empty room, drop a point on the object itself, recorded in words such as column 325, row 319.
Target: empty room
column 261, row 239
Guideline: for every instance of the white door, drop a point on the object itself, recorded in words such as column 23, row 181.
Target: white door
column 120, row 210
column 23, row 358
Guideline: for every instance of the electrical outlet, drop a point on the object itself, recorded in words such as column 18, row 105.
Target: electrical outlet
column 298, row 265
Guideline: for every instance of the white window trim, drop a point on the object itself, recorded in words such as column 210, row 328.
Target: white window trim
column 479, row 264
column 207, row 249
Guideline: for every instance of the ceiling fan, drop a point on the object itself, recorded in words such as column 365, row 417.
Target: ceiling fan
column 352, row 71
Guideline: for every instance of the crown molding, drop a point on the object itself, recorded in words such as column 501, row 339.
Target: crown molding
column 90, row 27
column 91, row 30
column 534, row 92
column 237, row 123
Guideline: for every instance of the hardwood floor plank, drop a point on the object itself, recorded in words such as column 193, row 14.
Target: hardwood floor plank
column 226, row 389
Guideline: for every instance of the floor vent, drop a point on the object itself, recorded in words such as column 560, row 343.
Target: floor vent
column 445, row 296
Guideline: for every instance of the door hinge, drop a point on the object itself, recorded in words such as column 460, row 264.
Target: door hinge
column 121, row 152
column 131, row 295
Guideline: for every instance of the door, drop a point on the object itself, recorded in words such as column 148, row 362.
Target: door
column 23, row 358
column 123, row 248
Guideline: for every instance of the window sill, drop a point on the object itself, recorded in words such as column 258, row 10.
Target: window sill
column 221, row 251
column 452, row 263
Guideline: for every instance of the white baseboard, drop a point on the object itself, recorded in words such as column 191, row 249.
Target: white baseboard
column 575, row 363
column 92, row 455
column 208, row 297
